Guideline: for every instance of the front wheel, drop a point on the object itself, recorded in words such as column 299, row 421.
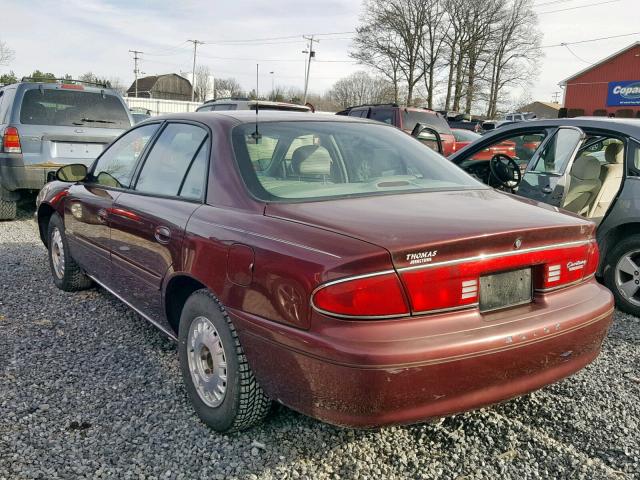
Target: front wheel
column 218, row 379
column 66, row 273
column 622, row 274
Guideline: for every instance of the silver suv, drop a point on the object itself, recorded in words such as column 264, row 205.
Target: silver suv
column 46, row 125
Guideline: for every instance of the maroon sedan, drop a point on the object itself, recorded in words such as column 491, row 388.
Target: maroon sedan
column 334, row 265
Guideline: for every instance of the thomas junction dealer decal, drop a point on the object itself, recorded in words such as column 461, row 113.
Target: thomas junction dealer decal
column 624, row 93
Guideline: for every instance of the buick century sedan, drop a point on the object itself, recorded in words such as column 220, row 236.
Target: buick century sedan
column 335, row 265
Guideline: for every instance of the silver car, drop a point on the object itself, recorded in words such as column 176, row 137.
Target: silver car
column 44, row 125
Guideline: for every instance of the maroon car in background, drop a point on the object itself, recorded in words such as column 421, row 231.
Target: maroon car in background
column 466, row 137
column 332, row 264
column 406, row 119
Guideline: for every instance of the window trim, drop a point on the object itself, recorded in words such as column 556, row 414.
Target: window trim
column 151, row 144
column 143, row 154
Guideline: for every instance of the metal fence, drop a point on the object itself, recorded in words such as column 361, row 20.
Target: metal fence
column 159, row 107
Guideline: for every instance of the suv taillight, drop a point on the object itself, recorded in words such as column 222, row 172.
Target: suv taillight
column 366, row 297
column 11, row 140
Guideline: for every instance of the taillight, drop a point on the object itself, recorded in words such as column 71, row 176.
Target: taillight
column 71, row 86
column 377, row 296
column 11, row 140
column 434, row 287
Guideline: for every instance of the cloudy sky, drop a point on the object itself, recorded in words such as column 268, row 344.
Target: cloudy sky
column 76, row 36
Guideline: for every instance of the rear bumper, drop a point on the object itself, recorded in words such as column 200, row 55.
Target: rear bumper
column 15, row 175
column 367, row 374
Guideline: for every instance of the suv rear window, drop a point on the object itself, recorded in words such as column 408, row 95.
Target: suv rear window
column 411, row 117
column 49, row 106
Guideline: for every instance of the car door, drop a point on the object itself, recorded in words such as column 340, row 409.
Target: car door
column 546, row 176
column 88, row 203
column 148, row 220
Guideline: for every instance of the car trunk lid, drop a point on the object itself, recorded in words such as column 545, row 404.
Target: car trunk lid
column 455, row 238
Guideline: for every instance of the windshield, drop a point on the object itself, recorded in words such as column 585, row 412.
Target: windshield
column 314, row 160
column 50, row 106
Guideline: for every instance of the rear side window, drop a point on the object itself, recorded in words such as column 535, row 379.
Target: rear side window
column 115, row 167
column 50, row 106
column 429, row 119
column 170, row 159
column 384, row 115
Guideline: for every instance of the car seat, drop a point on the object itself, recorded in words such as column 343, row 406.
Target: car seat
column 611, row 176
column 584, row 184
column 311, row 161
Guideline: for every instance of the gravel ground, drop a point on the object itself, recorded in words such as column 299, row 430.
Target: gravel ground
column 88, row 389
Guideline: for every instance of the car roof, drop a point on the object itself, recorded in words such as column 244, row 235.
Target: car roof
column 237, row 117
column 247, row 101
column 626, row 126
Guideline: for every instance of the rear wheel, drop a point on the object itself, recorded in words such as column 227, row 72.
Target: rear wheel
column 66, row 273
column 218, row 379
column 8, row 209
column 622, row 274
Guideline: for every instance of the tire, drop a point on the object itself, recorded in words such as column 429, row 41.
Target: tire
column 618, row 272
column 242, row 403
column 67, row 275
column 8, row 210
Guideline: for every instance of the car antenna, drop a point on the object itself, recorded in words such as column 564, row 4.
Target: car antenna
column 256, row 135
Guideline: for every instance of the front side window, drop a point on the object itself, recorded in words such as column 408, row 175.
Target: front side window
column 73, row 108
column 338, row 159
column 170, row 159
column 558, row 151
column 116, row 165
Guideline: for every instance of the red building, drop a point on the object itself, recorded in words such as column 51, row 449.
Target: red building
column 611, row 86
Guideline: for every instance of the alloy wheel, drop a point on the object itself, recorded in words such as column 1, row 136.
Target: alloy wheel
column 627, row 277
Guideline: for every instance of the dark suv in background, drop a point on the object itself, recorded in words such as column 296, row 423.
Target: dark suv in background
column 406, row 118
column 44, row 125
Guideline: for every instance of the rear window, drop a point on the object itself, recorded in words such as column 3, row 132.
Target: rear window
column 315, row 160
column 49, row 106
column 411, row 117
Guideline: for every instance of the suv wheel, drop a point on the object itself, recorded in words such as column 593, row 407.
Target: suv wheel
column 8, row 209
column 66, row 273
column 218, row 379
column 622, row 274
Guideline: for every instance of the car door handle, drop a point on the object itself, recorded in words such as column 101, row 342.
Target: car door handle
column 163, row 235
column 547, row 189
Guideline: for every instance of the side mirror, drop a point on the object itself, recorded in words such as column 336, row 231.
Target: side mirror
column 76, row 172
column 429, row 136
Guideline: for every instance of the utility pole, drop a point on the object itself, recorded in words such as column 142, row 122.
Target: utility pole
column 273, row 93
column 136, row 71
column 556, row 96
column 307, row 70
column 193, row 72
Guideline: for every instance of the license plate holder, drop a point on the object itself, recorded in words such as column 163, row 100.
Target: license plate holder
column 505, row 289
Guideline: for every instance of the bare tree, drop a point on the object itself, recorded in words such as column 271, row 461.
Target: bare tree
column 203, row 83
column 432, row 46
column 391, row 36
column 6, row 54
column 228, row 87
column 361, row 88
column 515, row 53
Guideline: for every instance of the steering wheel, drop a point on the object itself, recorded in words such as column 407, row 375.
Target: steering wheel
column 505, row 170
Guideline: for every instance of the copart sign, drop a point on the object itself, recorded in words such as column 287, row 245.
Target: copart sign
column 624, row 93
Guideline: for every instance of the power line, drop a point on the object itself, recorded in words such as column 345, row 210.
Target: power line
column 576, row 8
column 246, row 40
column 573, row 53
column 590, row 40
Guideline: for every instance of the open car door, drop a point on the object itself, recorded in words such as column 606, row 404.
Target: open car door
column 547, row 177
